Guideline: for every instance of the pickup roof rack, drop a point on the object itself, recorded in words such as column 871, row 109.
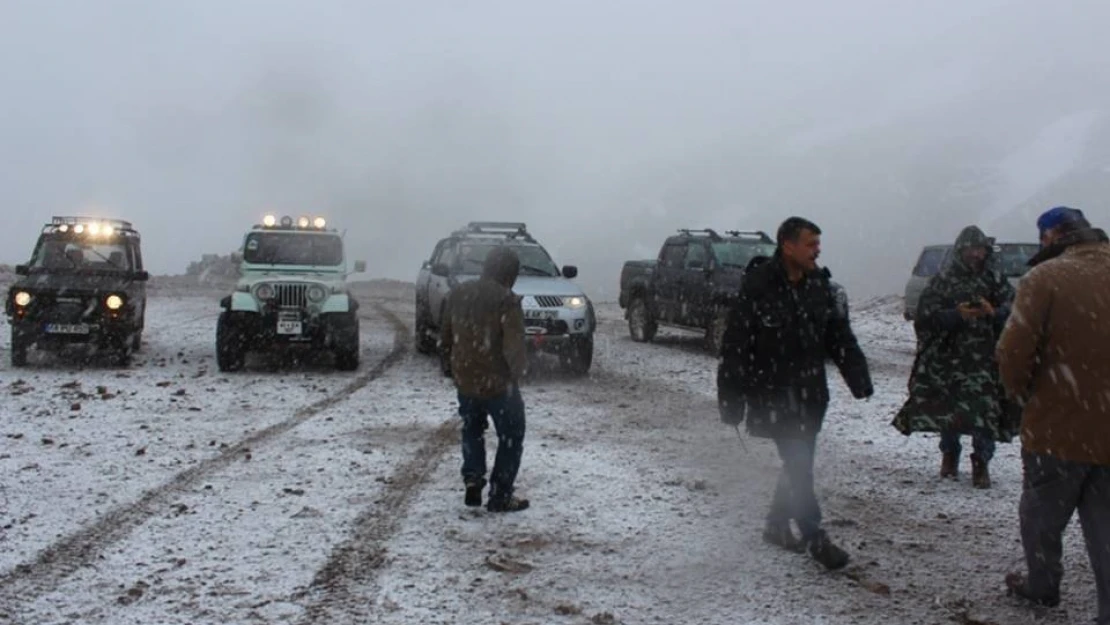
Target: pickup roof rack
column 505, row 229
column 749, row 234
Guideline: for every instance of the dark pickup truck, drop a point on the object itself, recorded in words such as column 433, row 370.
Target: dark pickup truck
column 691, row 283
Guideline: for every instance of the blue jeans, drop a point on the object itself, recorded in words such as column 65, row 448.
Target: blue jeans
column 794, row 496
column 507, row 412
column 982, row 442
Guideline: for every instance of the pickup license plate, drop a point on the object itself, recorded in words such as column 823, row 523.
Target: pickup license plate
column 67, row 328
column 541, row 314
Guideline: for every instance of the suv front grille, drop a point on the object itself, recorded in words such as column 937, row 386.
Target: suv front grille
column 291, row 295
column 549, row 301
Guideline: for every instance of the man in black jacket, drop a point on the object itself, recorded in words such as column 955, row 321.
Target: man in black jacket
column 786, row 322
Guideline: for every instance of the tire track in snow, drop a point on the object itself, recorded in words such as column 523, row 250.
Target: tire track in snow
column 338, row 588
column 52, row 565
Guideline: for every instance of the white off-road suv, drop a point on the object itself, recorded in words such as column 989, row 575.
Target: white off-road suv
column 558, row 317
column 292, row 294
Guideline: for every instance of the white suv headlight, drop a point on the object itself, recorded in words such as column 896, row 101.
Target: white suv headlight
column 574, row 302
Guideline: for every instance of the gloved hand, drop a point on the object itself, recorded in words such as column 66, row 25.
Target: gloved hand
column 732, row 411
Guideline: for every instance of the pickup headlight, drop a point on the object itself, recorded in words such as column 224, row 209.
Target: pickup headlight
column 113, row 302
column 575, row 302
column 22, row 298
column 316, row 294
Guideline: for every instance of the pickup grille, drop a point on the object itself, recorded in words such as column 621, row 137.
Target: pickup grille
column 293, row 295
column 549, row 301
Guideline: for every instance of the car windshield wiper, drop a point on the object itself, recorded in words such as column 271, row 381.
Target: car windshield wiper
column 537, row 270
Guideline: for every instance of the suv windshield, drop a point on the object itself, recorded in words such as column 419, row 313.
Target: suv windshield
column 1013, row 258
column 293, row 248
column 930, row 262
column 534, row 260
column 61, row 252
column 739, row 253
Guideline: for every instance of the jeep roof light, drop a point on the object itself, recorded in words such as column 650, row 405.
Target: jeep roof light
column 91, row 226
column 304, row 222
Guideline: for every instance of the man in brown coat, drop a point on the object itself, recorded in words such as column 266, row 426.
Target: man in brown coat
column 483, row 340
column 1054, row 357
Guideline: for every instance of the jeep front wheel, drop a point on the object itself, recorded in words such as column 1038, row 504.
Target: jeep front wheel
column 347, row 344
column 230, row 344
column 715, row 334
column 425, row 342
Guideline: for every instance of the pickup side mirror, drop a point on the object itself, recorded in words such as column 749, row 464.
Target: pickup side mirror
column 570, row 271
column 142, row 276
column 360, row 266
column 441, row 269
column 22, row 270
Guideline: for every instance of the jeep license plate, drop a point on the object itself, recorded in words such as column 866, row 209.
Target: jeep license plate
column 67, row 328
column 288, row 326
column 540, row 314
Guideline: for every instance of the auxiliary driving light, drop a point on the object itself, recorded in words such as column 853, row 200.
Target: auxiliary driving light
column 320, row 223
column 79, row 228
column 114, row 302
column 22, row 298
column 94, row 228
column 286, row 221
column 303, row 222
column 269, row 221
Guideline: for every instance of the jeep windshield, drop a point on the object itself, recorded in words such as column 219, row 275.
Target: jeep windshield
column 534, row 260
column 81, row 254
column 293, row 248
column 739, row 253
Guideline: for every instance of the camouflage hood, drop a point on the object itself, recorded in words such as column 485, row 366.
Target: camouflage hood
column 971, row 236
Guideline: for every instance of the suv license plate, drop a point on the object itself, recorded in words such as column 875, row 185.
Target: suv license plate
column 288, row 326
column 67, row 328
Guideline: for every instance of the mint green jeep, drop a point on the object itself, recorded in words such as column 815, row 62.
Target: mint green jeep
column 292, row 294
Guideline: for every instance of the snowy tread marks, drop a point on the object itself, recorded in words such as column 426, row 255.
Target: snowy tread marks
column 30, row 580
column 339, row 586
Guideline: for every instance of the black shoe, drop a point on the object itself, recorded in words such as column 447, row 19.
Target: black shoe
column 1016, row 585
column 782, row 536
column 511, row 504
column 474, row 492
column 824, row 551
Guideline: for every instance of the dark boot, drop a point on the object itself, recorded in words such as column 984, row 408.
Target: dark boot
column 1016, row 586
column 980, row 474
column 781, row 535
column 474, row 492
column 949, row 464
column 824, row 551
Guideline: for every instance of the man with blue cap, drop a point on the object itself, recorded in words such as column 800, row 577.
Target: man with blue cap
column 1054, row 359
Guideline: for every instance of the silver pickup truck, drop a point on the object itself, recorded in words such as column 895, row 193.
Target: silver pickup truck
column 558, row 317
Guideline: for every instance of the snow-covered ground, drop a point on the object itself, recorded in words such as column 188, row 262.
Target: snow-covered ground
column 172, row 493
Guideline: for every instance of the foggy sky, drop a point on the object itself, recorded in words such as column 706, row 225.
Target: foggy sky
column 603, row 125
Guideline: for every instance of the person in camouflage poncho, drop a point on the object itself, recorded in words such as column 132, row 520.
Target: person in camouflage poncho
column 954, row 387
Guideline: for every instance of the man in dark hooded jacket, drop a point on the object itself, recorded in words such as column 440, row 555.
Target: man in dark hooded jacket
column 954, row 387
column 483, row 340
column 786, row 322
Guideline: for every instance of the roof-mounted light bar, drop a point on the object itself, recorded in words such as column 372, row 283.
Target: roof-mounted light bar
column 92, row 226
column 304, row 222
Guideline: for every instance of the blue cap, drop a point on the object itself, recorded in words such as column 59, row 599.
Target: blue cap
column 1059, row 216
